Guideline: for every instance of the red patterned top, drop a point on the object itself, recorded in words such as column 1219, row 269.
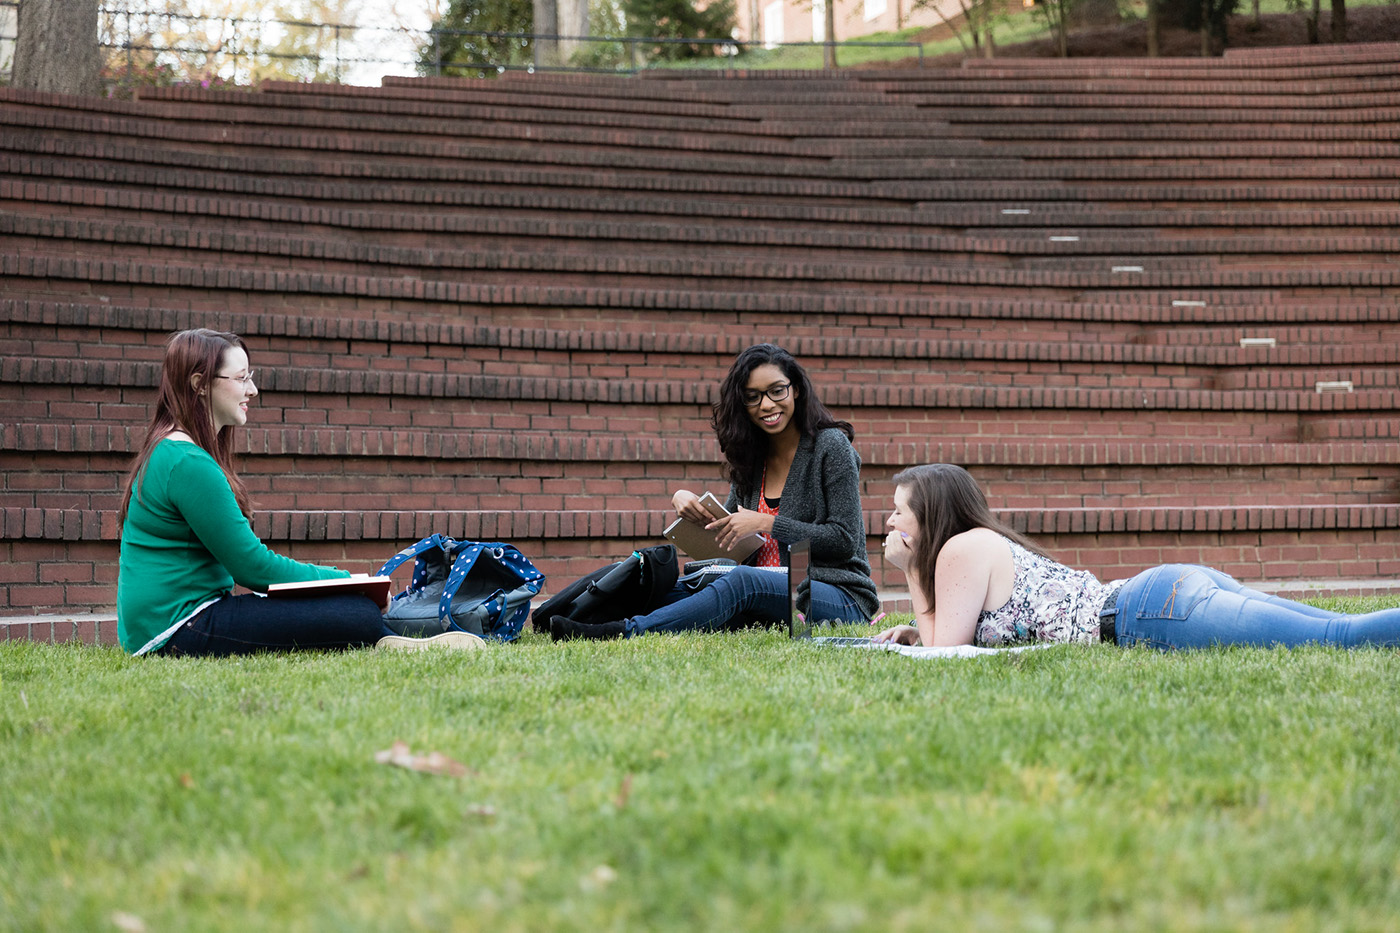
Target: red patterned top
column 768, row 555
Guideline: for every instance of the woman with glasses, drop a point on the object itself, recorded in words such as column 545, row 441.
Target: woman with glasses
column 793, row 475
column 186, row 538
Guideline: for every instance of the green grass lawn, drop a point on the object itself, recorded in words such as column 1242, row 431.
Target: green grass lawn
column 736, row 782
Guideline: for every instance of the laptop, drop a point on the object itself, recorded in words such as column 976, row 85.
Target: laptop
column 799, row 558
column 799, row 601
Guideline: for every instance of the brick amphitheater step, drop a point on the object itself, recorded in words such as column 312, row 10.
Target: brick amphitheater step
column 1161, row 326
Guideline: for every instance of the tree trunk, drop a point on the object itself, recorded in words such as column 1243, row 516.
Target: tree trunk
column 56, row 49
column 989, row 48
column 829, row 50
column 1339, row 20
column 1154, row 29
column 571, row 16
column 546, row 24
column 1205, row 28
column 1312, row 22
column 1257, row 22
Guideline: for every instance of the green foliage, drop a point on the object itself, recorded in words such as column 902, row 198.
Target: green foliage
column 605, row 18
column 979, row 20
column 677, row 19
column 308, row 47
column 225, row 43
column 1056, row 15
column 457, row 55
column 735, row 782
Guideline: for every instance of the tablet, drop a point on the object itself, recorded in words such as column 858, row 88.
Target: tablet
column 699, row 543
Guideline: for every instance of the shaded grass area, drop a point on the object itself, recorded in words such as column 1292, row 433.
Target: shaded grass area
column 702, row 782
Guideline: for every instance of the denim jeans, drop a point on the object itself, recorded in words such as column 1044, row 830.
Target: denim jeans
column 1179, row 606
column 744, row 594
column 250, row 623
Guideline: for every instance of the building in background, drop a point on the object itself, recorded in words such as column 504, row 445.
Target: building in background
column 774, row 21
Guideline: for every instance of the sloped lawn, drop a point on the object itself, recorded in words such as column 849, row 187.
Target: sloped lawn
column 735, row 782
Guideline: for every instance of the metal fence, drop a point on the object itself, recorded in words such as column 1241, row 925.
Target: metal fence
column 144, row 46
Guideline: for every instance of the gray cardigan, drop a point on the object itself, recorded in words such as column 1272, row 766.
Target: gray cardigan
column 821, row 501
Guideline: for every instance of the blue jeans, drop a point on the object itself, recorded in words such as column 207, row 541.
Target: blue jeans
column 1179, row 606
column 250, row 623
column 744, row 594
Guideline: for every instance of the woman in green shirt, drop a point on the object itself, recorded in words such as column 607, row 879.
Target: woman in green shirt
column 186, row 538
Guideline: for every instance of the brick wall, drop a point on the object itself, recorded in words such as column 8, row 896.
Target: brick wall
column 501, row 308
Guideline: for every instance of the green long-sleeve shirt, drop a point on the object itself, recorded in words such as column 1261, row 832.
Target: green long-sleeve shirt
column 186, row 543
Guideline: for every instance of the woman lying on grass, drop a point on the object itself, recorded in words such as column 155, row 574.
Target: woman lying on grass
column 186, row 539
column 975, row 581
column 793, row 475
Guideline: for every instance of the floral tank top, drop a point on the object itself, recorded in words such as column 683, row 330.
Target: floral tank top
column 1049, row 602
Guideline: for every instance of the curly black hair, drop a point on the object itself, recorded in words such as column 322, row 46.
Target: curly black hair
column 743, row 443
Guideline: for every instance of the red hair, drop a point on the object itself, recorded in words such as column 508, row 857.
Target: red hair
column 182, row 407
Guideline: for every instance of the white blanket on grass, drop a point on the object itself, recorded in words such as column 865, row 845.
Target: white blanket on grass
column 919, row 651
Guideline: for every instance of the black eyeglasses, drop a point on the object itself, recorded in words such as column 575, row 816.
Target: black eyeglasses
column 776, row 393
column 246, row 380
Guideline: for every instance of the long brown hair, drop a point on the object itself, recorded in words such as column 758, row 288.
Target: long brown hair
column 744, row 445
column 182, row 407
column 947, row 501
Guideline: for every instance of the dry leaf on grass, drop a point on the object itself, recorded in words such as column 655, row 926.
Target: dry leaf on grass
column 129, row 923
column 431, row 763
column 599, row 878
column 624, row 790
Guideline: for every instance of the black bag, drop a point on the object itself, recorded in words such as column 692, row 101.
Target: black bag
column 630, row 587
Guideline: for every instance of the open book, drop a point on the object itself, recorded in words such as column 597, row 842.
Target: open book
column 698, row 542
column 376, row 588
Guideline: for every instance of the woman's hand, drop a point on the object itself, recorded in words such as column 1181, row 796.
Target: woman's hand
column 897, row 549
column 731, row 528
column 688, row 507
column 899, row 635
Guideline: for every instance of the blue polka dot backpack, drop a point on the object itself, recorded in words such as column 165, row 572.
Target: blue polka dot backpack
column 482, row 587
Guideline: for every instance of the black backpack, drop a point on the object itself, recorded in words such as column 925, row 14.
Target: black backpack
column 630, row 587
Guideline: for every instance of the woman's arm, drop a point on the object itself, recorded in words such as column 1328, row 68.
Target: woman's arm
column 200, row 491
column 836, row 482
column 961, row 580
column 897, row 553
column 687, row 506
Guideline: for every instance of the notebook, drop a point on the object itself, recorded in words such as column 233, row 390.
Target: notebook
column 698, row 542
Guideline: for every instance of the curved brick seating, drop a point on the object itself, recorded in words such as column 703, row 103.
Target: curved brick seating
column 1150, row 304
